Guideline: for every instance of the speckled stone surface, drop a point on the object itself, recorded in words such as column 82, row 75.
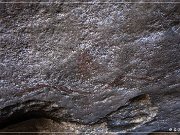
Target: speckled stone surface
column 89, row 63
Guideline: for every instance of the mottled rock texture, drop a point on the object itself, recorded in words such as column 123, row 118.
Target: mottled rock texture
column 91, row 63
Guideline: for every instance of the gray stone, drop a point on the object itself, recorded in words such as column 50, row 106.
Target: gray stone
column 91, row 63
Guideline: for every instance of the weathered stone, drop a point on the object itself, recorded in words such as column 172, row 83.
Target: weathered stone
column 89, row 63
column 47, row 126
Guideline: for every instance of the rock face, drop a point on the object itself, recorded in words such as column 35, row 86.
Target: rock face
column 91, row 63
column 52, row 127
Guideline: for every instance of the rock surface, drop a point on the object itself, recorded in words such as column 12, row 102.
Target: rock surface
column 91, row 63
column 47, row 126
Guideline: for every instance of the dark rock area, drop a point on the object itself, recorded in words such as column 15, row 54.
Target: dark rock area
column 90, row 66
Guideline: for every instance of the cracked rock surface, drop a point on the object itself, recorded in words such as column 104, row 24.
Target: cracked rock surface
column 100, row 65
